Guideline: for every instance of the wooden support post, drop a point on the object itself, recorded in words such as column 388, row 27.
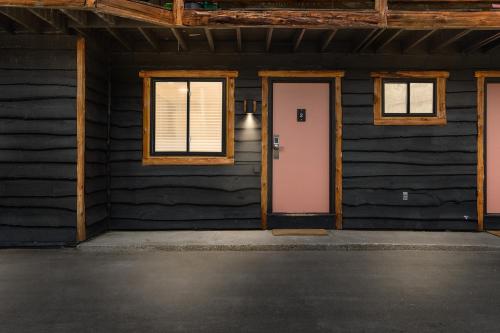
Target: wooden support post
column 382, row 7
column 178, row 11
column 80, row 140
column 338, row 152
column 480, row 152
column 264, row 147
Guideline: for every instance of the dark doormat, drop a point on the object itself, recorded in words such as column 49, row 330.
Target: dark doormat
column 300, row 232
column 496, row 233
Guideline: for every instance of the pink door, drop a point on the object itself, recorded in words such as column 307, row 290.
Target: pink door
column 301, row 166
column 493, row 149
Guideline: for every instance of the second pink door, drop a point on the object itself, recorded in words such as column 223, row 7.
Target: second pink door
column 301, row 148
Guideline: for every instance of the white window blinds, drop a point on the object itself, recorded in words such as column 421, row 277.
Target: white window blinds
column 170, row 116
column 188, row 117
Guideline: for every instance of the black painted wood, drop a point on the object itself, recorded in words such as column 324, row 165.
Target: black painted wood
column 37, row 140
column 96, row 141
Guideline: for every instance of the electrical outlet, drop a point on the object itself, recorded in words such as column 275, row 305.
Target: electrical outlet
column 405, row 196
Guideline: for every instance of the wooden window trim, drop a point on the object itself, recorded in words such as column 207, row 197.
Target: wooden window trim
column 147, row 158
column 438, row 119
column 481, row 77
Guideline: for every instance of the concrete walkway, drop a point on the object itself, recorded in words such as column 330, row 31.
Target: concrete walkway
column 264, row 240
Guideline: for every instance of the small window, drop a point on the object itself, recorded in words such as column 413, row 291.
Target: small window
column 188, row 119
column 410, row 98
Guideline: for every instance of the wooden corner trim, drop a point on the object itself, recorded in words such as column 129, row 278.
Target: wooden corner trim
column 301, row 74
column 228, row 159
column 439, row 119
column 481, row 80
column 80, row 140
column 338, row 154
column 264, row 152
column 189, row 73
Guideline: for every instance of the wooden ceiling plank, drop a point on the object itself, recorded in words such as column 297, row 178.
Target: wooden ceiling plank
column 269, row 38
column 453, row 39
column 482, row 43
column 149, row 37
column 210, row 39
column 328, row 40
column 119, row 37
column 298, row 39
column 419, row 40
column 52, row 17
column 23, row 18
column 180, row 40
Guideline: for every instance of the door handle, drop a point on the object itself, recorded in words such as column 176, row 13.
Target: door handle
column 276, row 147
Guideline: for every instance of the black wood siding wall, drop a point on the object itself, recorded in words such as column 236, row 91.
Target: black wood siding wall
column 96, row 140
column 436, row 165
column 37, row 139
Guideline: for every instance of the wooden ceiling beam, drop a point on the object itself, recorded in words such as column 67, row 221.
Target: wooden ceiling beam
column 389, row 40
column 370, row 41
column 298, row 39
column 210, row 39
column 180, row 40
column 239, row 41
column 120, row 38
column 459, row 35
column 23, row 18
column 269, row 38
column 52, row 17
column 150, row 38
column 482, row 43
column 327, row 39
column 110, row 20
column 78, row 16
column 443, row 19
column 418, row 41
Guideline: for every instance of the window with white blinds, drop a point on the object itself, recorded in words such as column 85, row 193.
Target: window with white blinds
column 188, row 117
column 409, row 98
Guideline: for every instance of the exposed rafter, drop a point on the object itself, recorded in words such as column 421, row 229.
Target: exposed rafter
column 419, row 40
column 482, row 43
column 109, row 19
column 150, row 38
column 52, row 17
column 120, row 38
column 327, row 40
column 370, row 41
column 365, row 40
column 79, row 17
column 459, row 35
column 23, row 18
column 389, row 40
column 298, row 39
column 269, row 38
column 180, row 40
column 239, row 41
column 210, row 39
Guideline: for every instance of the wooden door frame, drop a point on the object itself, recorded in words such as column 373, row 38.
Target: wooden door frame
column 266, row 76
column 481, row 77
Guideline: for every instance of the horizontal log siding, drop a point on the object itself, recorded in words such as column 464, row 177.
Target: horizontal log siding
column 96, row 141
column 436, row 165
column 37, row 140
column 181, row 197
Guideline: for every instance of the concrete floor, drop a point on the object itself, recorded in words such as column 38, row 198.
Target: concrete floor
column 70, row 290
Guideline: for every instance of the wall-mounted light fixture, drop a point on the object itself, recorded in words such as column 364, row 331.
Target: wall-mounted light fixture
column 249, row 106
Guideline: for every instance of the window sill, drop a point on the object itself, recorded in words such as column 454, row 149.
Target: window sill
column 408, row 121
column 188, row 160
